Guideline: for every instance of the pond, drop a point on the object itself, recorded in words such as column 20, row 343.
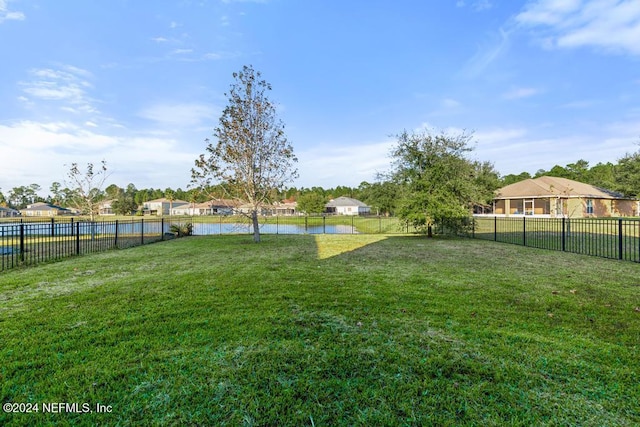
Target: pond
column 239, row 228
column 154, row 227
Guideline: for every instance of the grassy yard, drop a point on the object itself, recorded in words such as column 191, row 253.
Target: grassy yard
column 324, row 330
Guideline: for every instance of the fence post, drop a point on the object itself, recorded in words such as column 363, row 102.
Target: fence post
column 379, row 224
column 306, row 223
column 77, row 238
column 564, row 235
column 72, row 226
column 142, row 231
column 495, row 228
column 324, row 224
column 524, row 231
column 53, row 233
column 116, row 235
column 162, row 228
column 352, row 220
column 620, row 245
column 21, row 241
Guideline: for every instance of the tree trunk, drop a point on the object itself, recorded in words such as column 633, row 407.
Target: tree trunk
column 429, row 231
column 256, row 226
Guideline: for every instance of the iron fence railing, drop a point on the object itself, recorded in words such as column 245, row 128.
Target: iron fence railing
column 31, row 242
column 27, row 241
column 615, row 238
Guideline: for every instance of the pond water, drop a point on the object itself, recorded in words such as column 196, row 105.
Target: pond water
column 154, row 227
column 221, row 228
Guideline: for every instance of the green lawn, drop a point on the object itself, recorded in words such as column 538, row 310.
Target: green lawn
column 324, row 330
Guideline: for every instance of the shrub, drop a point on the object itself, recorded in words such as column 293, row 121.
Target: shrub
column 182, row 230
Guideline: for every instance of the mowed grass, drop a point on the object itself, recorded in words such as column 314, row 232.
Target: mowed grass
column 324, row 330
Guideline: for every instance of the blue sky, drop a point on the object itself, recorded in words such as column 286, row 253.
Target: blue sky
column 141, row 83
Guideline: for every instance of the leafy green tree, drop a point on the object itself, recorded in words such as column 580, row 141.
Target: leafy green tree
column 381, row 196
column 579, row 171
column 311, row 203
column 627, row 174
column 512, row 178
column 439, row 185
column 602, row 175
column 124, row 205
column 487, row 179
column 251, row 152
column 21, row 197
column 113, row 192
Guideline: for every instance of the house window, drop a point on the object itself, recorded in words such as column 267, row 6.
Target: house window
column 589, row 206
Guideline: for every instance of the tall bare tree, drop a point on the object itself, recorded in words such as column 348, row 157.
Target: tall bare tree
column 87, row 187
column 251, row 154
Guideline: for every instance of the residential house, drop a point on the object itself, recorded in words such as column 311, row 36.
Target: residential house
column 347, row 206
column 105, row 208
column 45, row 209
column 211, row 207
column 286, row 208
column 161, row 206
column 554, row 197
column 8, row 212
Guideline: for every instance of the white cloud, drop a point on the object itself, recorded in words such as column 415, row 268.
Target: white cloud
column 450, row 103
column 7, row 15
column 481, row 5
column 66, row 87
column 181, row 115
column 325, row 165
column 519, row 93
column 487, row 54
column 147, row 161
column 477, row 5
column 610, row 25
column 181, row 51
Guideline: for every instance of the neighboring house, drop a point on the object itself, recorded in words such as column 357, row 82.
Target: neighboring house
column 286, row 208
column 246, row 208
column 347, row 206
column 104, row 208
column 554, row 197
column 8, row 212
column 162, row 206
column 212, row 207
column 45, row 209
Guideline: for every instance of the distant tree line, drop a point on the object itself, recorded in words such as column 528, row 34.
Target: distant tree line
column 383, row 195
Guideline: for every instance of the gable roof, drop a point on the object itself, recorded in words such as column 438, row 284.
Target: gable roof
column 551, row 186
column 345, row 201
column 42, row 206
column 165, row 200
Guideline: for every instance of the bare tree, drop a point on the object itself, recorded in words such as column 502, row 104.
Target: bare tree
column 251, row 156
column 87, row 187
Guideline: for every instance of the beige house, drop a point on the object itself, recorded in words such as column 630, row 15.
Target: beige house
column 45, row 209
column 554, row 197
column 212, row 207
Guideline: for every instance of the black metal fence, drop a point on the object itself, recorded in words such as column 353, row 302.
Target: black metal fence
column 32, row 242
column 616, row 238
column 27, row 241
